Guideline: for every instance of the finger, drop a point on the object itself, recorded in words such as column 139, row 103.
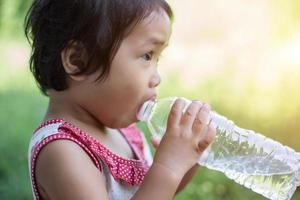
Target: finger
column 202, row 118
column 212, row 131
column 189, row 116
column 207, row 138
column 176, row 112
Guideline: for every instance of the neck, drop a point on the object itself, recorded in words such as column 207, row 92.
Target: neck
column 62, row 106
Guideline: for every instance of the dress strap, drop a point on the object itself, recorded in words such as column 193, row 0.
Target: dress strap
column 131, row 171
column 44, row 135
column 135, row 139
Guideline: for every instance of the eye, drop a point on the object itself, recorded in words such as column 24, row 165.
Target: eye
column 148, row 56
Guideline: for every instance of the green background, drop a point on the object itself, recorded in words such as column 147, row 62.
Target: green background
column 275, row 112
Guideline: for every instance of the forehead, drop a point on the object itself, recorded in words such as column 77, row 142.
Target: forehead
column 155, row 28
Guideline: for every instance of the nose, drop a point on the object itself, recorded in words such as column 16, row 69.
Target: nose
column 155, row 79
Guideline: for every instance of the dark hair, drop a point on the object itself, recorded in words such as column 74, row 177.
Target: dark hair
column 100, row 25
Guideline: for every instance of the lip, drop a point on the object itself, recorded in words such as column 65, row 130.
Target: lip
column 152, row 98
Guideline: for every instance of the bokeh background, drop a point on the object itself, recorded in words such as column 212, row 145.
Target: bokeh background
column 240, row 56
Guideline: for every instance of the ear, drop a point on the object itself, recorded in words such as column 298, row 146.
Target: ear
column 74, row 59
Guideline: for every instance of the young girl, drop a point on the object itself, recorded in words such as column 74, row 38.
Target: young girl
column 96, row 60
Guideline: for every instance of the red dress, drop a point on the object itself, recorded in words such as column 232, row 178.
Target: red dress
column 123, row 176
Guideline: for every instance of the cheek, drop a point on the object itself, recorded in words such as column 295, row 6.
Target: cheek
column 131, row 82
column 120, row 106
column 122, row 94
column 129, row 96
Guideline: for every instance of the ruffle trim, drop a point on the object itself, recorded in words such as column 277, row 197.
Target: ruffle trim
column 131, row 171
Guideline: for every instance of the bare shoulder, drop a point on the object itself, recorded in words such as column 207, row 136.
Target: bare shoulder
column 65, row 171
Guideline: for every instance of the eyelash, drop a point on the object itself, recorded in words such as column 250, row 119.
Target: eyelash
column 148, row 56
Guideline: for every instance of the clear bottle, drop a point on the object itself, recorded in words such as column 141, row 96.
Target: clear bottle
column 250, row 159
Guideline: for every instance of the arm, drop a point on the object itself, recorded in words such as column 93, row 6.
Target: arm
column 159, row 183
column 186, row 137
column 187, row 177
column 65, row 171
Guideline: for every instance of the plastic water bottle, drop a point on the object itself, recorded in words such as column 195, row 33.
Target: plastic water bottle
column 250, row 159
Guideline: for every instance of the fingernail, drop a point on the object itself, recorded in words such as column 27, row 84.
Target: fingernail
column 206, row 107
column 197, row 101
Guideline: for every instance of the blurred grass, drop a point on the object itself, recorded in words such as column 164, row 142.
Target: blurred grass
column 22, row 107
column 20, row 112
column 273, row 112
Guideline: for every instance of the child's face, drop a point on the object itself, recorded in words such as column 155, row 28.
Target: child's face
column 133, row 76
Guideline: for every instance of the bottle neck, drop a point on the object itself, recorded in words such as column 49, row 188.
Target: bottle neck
column 145, row 111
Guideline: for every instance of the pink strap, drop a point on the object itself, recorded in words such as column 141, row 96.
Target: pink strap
column 134, row 138
column 129, row 170
column 37, row 149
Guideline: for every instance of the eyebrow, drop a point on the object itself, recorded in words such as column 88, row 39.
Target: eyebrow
column 156, row 42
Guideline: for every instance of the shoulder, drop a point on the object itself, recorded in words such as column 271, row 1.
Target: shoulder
column 65, row 171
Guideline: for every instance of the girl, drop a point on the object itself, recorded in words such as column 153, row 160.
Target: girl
column 96, row 60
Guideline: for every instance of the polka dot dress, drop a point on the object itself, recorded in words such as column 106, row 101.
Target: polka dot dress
column 123, row 176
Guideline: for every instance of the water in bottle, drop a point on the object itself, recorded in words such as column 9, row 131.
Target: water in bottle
column 250, row 159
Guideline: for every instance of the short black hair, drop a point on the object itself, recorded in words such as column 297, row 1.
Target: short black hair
column 100, row 25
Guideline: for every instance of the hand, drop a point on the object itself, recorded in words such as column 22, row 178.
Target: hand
column 187, row 136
